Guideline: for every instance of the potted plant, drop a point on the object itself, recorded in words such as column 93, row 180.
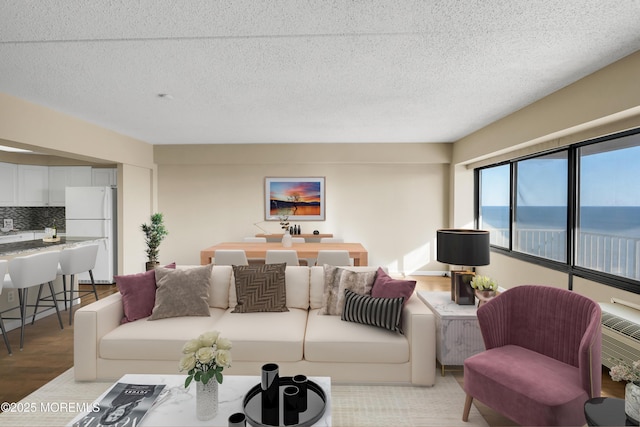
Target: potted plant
column 154, row 234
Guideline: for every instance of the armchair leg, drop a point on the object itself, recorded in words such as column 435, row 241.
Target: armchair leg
column 467, row 408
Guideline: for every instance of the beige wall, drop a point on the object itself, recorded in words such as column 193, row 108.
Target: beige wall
column 605, row 102
column 31, row 126
column 388, row 197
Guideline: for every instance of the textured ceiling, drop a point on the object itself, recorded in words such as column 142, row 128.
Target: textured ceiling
column 254, row 71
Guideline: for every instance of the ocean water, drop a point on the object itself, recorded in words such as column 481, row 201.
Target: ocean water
column 608, row 220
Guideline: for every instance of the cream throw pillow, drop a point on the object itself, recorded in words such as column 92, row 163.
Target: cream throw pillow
column 182, row 292
column 336, row 280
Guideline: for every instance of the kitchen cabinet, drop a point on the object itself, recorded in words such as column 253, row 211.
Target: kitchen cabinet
column 104, row 177
column 8, row 184
column 33, row 185
column 61, row 177
column 17, row 237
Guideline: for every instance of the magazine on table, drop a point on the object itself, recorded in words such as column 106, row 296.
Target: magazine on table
column 125, row 405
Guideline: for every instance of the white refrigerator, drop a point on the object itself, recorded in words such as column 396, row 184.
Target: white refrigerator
column 91, row 212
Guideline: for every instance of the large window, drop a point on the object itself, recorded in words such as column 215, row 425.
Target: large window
column 494, row 204
column 540, row 226
column 608, row 233
column 575, row 209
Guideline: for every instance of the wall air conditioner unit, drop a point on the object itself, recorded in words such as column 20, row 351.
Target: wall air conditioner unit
column 620, row 332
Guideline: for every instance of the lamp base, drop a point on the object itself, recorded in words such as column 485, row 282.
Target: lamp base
column 461, row 291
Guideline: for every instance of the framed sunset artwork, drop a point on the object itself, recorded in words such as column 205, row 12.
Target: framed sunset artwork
column 300, row 199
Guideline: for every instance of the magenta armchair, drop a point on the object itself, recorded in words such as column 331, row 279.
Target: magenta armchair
column 543, row 356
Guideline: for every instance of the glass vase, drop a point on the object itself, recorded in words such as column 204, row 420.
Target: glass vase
column 287, row 240
column 206, row 400
column 632, row 401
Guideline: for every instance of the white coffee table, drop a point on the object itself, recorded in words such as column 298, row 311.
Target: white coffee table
column 179, row 409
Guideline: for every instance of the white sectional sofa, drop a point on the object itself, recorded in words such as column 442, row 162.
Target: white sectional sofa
column 298, row 340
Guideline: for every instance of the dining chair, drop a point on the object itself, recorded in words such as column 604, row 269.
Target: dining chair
column 255, row 261
column 331, row 240
column 30, row 271
column 255, row 239
column 333, row 257
column 277, row 256
column 3, row 272
column 230, row 257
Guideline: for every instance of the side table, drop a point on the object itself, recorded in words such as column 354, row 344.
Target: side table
column 458, row 334
column 606, row 411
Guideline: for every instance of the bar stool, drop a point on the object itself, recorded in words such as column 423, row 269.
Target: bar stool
column 3, row 272
column 29, row 271
column 78, row 259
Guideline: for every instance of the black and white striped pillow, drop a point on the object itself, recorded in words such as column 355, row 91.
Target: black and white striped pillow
column 381, row 312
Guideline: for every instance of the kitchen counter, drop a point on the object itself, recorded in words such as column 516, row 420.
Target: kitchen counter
column 27, row 246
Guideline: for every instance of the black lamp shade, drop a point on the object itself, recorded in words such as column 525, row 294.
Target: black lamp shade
column 463, row 247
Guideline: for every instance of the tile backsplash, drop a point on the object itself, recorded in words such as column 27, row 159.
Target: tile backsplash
column 25, row 218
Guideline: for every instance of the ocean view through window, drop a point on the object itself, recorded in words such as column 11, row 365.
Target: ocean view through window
column 577, row 206
column 608, row 232
column 540, row 226
column 495, row 188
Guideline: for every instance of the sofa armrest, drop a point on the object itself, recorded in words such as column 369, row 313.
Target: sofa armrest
column 91, row 323
column 419, row 326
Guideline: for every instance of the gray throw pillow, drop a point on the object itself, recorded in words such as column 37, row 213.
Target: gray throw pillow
column 336, row 280
column 182, row 292
column 260, row 288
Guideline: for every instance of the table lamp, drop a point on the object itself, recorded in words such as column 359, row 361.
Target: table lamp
column 464, row 247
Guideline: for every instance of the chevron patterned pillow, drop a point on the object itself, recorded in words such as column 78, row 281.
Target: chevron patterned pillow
column 381, row 312
column 260, row 288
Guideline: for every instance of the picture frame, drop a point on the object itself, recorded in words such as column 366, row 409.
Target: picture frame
column 298, row 198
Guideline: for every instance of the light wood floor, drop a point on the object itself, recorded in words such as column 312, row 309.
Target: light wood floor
column 48, row 352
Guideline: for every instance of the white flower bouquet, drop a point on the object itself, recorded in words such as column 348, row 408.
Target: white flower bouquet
column 625, row 371
column 484, row 283
column 205, row 357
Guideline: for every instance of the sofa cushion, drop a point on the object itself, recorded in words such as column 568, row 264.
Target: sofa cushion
column 138, row 294
column 277, row 337
column 387, row 287
column 381, row 312
column 158, row 340
column 336, row 280
column 297, row 287
column 182, row 292
column 260, row 288
column 329, row 339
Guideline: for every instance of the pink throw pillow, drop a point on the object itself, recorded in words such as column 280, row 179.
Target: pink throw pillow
column 387, row 287
column 138, row 294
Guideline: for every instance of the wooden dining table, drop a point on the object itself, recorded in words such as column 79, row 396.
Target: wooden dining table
column 305, row 250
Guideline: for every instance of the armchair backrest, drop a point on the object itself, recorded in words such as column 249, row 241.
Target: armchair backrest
column 555, row 322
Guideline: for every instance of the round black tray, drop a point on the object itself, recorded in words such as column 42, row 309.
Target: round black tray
column 316, row 404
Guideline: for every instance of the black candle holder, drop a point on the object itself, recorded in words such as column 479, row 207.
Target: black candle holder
column 270, row 386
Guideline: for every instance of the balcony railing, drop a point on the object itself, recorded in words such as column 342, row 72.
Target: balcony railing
column 616, row 255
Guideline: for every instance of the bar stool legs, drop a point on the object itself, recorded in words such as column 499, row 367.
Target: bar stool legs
column 53, row 299
column 4, row 335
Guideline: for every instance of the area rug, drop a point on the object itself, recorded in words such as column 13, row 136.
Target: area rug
column 351, row 405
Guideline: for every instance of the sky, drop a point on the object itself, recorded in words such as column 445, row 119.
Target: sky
column 609, row 178
column 307, row 191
